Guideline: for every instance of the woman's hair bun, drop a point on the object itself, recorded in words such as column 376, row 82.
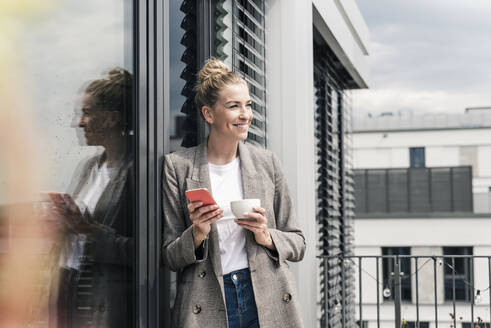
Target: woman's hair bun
column 214, row 69
column 213, row 77
column 119, row 75
column 113, row 92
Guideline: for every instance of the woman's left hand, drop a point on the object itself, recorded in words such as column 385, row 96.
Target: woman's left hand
column 258, row 224
column 72, row 217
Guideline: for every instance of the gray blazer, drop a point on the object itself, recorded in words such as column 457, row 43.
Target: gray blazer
column 107, row 281
column 200, row 300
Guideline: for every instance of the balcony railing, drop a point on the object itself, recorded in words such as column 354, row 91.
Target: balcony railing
column 406, row 291
column 399, row 191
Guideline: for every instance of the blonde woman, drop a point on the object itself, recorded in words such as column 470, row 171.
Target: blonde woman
column 95, row 218
column 231, row 273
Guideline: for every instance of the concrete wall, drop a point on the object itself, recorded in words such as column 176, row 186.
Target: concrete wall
column 290, row 116
column 426, row 232
column 460, row 137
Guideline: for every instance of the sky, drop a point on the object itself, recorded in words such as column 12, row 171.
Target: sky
column 426, row 56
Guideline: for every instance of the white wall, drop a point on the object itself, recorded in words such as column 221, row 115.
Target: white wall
column 442, row 156
column 371, row 158
column 484, row 158
column 461, row 137
column 291, row 137
column 369, row 285
column 460, row 231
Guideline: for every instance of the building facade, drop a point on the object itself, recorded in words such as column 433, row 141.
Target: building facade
column 422, row 187
column 300, row 58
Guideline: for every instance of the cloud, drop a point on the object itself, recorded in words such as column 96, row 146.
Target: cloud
column 433, row 50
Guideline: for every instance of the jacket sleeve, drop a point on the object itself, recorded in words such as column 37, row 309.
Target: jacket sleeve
column 287, row 236
column 178, row 244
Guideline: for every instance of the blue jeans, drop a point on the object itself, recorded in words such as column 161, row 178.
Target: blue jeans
column 241, row 306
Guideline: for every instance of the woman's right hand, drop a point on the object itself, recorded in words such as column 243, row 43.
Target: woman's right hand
column 202, row 217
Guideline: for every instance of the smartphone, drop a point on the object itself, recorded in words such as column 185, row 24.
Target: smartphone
column 200, row 195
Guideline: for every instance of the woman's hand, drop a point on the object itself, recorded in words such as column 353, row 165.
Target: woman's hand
column 202, row 217
column 70, row 216
column 258, row 224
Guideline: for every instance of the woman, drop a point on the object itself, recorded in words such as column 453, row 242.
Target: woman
column 95, row 219
column 231, row 272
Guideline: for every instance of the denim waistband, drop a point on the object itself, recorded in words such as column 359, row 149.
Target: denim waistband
column 237, row 275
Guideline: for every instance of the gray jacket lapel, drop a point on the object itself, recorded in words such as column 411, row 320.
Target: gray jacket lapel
column 253, row 188
column 106, row 206
column 201, row 179
column 81, row 175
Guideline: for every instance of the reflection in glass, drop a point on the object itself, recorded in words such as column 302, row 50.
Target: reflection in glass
column 95, row 253
column 67, row 244
column 177, row 66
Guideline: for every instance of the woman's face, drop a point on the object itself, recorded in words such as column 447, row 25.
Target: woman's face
column 98, row 124
column 231, row 115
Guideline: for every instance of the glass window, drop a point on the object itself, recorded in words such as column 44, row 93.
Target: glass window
column 463, row 276
column 477, row 323
column 177, row 67
column 388, row 272
column 248, row 57
column 71, row 137
column 417, row 156
column 364, row 324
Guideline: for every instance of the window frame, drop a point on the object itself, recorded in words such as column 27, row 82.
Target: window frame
column 460, row 279
column 417, row 157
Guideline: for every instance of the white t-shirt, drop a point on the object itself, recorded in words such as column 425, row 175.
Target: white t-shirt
column 86, row 200
column 226, row 186
column 98, row 180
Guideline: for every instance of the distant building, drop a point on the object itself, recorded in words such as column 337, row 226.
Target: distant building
column 422, row 186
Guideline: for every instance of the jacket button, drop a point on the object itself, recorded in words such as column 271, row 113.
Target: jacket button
column 287, row 298
column 196, row 309
column 202, row 274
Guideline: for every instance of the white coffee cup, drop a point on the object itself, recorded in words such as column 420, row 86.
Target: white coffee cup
column 239, row 207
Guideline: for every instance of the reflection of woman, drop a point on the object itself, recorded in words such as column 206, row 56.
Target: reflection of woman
column 231, row 272
column 97, row 253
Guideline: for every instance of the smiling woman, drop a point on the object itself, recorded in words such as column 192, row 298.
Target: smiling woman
column 217, row 256
column 225, row 104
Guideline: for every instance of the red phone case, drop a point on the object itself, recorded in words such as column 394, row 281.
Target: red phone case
column 200, row 195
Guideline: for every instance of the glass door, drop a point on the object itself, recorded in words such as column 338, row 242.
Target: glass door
column 68, row 229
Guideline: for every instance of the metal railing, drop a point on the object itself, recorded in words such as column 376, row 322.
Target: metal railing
column 436, row 283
